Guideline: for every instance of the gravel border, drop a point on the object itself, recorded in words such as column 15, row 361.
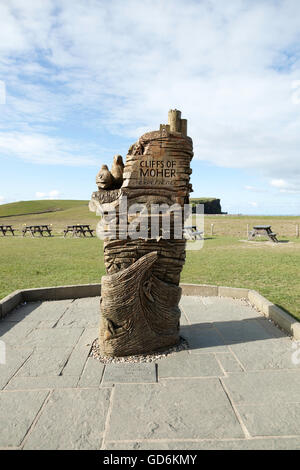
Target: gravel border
column 96, row 354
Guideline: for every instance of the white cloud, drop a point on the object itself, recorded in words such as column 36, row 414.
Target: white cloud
column 2, row 199
column 296, row 93
column 290, row 191
column 2, row 92
column 231, row 67
column 53, row 194
column 255, row 189
column 286, row 186
column 41, row 148
column 279, row 183
column 253, row 204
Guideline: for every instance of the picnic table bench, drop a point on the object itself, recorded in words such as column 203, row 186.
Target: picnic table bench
column 7, row 228
column 78, row 230
column 36, row 229
column 265, row 230
column 191, row 233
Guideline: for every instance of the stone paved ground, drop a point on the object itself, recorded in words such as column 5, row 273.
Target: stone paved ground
column 236, row 387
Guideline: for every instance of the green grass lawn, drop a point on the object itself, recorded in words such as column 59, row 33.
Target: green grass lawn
column 273, row 270
column 38, row 262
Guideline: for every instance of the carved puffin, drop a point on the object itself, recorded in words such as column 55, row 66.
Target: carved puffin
column 104, row 179
column 117, row 170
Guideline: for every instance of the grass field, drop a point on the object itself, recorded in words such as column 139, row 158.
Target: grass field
column 273, row 270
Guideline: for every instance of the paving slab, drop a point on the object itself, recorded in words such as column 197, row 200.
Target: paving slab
column 18, row 411
column 43, row 314
column 80, row 353
column 270, row 419
column 128, row 373
column 183, row 318
column 24, row 311
column 269, row 354
column 41, row 382
column 45, row 362
column 203, row 338
column 213, row 309
column 242, row 331
column 71, row 419
column 270, row 326
column 260, row 387
column 185, row 364
column 92, row 374
column 14, row 360
column 82, row 313
column 174, row 409
column 50, row 338
column 229, row 363
column 14, row 334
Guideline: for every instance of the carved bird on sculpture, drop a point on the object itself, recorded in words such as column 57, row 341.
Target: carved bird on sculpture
column 117, row 171
column 104, row 179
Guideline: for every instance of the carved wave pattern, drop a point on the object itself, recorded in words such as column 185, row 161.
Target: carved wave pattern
column 139, row 312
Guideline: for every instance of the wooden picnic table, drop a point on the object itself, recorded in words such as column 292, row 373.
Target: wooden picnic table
column 78, row 230
column 7, row 228
column 36, row 229
column 192, row 233
column 265, row 230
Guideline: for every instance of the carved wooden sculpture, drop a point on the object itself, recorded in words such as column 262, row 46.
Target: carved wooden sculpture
column 140, row 292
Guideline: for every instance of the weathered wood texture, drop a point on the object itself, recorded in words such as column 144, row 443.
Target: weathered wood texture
column 140, row 293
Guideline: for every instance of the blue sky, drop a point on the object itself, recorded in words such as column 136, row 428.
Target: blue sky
column 81, row 80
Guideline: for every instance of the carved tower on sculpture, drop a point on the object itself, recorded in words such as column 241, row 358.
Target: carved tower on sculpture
column 140, row 292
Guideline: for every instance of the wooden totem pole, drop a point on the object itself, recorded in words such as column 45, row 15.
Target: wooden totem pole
column 140, row 292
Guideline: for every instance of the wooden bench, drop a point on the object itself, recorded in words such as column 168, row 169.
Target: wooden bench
column 263, row 230
column 7, row 228
column 37, row 229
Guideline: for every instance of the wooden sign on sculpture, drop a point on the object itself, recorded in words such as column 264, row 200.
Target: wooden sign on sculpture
column 140, row 292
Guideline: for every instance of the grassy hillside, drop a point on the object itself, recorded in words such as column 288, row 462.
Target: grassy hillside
column 38, row 207
column 59, row 213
